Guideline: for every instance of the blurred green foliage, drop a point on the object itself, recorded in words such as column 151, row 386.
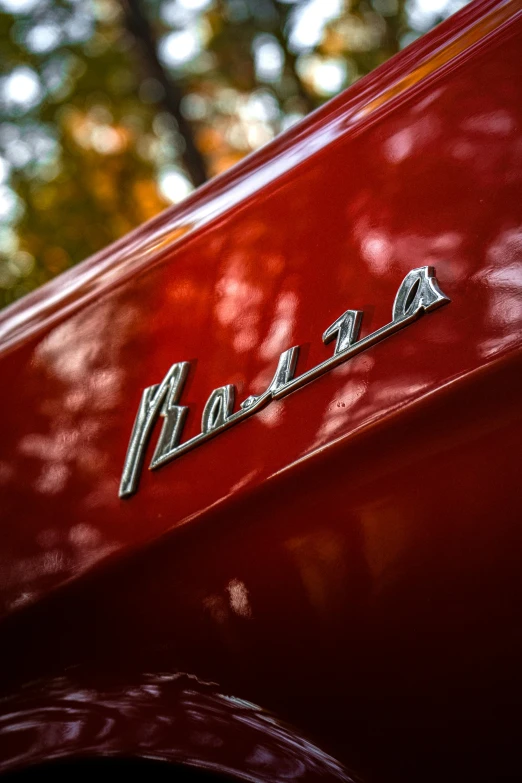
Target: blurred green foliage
column 112, row 109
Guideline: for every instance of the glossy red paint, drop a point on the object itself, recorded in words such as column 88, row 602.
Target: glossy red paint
column 348, row 558
column 170, row 717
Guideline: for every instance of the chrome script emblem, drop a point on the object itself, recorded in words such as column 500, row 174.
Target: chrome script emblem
column 419, row 292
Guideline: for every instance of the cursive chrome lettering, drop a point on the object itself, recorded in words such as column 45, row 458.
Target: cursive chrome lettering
column 419, row 292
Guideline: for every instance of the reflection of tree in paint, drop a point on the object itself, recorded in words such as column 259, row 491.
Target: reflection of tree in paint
column 77, row 385
column 170, row 717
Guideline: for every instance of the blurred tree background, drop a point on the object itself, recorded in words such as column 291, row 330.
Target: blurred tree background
column 110, row 110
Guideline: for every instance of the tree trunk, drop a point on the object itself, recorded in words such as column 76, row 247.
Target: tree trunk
column 139, row 27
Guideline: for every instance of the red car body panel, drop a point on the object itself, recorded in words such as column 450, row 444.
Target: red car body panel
column 349, row 557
